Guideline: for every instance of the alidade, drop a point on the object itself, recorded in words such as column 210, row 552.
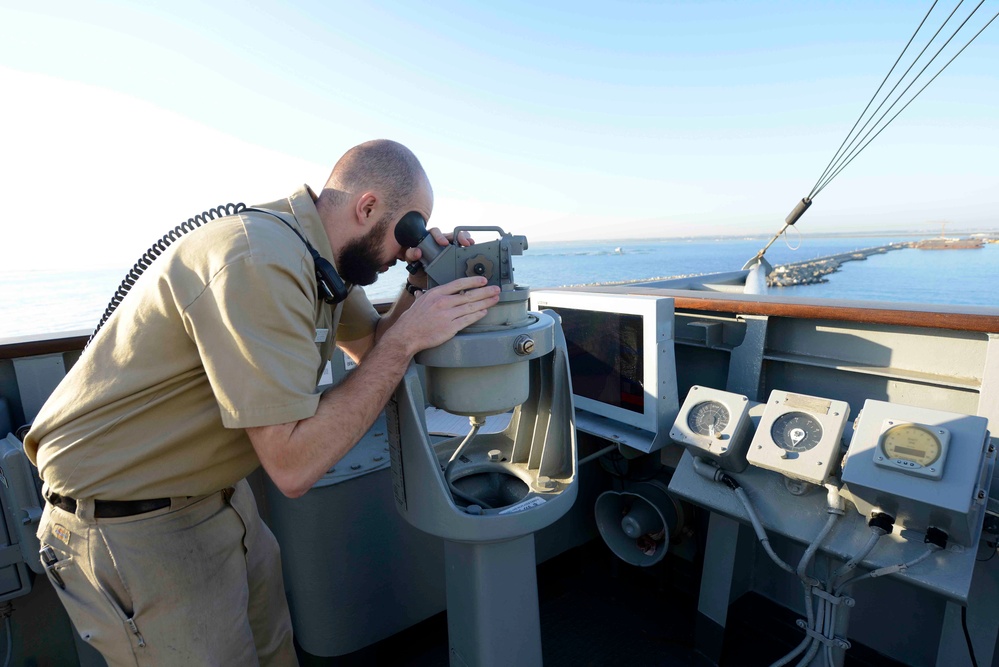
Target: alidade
column 488, row 494
column 483, row 370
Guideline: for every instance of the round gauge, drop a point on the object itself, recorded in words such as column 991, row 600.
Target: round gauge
column 909, row 442
column 708, row 418
column 796, row 432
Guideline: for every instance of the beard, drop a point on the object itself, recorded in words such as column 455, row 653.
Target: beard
column 361, row 258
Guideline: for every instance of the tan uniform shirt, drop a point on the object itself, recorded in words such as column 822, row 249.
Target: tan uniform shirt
column 222, row 332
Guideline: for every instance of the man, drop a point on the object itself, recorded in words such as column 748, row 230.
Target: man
column 208, row 369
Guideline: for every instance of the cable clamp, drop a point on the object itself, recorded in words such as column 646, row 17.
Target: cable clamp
column 833, row 599
column 835, row 642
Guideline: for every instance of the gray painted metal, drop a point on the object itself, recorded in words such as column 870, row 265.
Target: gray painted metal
column 539, row 442
column 492, row 602
column 746, row 365
column 355, row 572
column 727, row 446
column 800, row 518
column 493, row 617
column 954, row 503
column 36, row 378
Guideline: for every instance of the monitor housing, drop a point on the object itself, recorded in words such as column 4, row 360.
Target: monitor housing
column 621, row 363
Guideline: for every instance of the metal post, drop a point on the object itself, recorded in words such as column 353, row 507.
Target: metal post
column 492, row 603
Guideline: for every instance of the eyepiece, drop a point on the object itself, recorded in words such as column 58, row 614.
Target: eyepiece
column 410, row 230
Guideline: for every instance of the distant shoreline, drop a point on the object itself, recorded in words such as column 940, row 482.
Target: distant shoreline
column 900, row 236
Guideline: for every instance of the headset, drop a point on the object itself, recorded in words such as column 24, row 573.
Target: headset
column 329, row 285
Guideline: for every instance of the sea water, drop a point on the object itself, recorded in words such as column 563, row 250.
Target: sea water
column 43, row 302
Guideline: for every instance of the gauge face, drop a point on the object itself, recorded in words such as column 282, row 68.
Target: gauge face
column 912, row 443
column 796, row 432
column 708, row 418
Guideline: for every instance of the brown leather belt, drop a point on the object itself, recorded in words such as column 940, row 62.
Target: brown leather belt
column 110, row 509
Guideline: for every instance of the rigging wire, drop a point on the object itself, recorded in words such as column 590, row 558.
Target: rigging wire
column 897, row 84
column 861, row 148
column 873, row 97
column 853, row 147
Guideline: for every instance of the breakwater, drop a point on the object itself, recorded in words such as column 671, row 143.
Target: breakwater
column 815, row 270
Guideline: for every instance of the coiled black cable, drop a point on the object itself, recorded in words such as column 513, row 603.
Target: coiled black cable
column 157, row 249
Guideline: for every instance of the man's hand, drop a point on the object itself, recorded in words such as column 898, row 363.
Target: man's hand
column 438, row 314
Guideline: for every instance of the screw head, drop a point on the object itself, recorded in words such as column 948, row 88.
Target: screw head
column 523, row 345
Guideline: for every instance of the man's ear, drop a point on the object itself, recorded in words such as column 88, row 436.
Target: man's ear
column 365, row 207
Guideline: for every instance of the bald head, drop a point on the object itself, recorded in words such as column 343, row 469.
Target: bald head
column 383, row 166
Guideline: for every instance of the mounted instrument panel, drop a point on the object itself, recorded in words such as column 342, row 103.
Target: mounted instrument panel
column 799, row 436
column 715, row 425
column 924, row 467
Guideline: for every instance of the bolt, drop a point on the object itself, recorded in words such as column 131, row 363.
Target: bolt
column 981, row 495
column 495, row 454
column 881, row 458
column 378, row 458
column 524, row 345
column 545, row 482
column 355, row 466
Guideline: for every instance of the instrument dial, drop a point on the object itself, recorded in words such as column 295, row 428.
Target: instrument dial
column 708, row 418
column 796, row 431
column 911, row 443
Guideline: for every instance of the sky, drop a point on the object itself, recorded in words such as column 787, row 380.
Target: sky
column 560, row 121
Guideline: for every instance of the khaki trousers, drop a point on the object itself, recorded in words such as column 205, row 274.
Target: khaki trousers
column 195, row 583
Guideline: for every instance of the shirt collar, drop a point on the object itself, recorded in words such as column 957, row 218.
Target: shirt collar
column 303, row 207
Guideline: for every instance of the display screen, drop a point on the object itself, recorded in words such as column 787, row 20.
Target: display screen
column 910, row 442
column 605, row 356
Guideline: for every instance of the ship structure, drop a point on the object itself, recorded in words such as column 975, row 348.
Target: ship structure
column 943, row 242
column 732, row 479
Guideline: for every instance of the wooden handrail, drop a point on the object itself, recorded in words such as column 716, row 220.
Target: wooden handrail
column 957, row 321
column 930, row 316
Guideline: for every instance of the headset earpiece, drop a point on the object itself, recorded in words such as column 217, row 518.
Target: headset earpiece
column 332, row 289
